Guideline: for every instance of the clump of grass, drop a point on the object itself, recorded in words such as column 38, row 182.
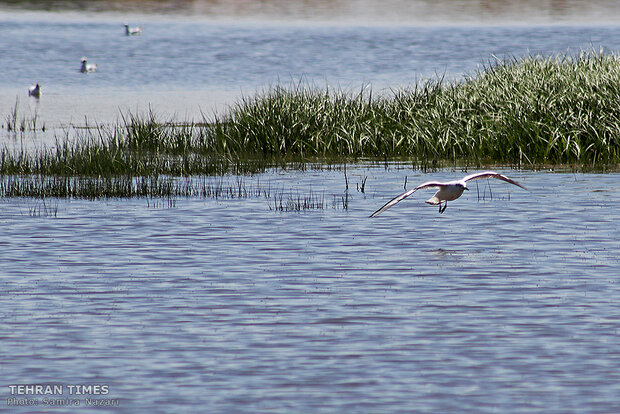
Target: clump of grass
column 531, row 111
column 538, row 110
column 140, row 146
column 304, row 122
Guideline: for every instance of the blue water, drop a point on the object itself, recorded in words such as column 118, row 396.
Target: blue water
column 191, row 69
column 190, row 55
column 507, row 302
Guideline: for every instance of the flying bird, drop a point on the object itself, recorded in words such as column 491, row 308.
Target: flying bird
column 35, row 90
column 130, row 31
column 87, row 67
column 448, row 191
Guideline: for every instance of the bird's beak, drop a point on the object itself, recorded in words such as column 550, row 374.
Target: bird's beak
column 466, row 188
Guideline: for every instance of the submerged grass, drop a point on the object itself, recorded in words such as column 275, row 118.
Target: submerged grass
column 520, row 112
column 15, row 123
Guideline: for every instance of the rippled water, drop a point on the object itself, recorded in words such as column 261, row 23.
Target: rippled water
column 506, row 302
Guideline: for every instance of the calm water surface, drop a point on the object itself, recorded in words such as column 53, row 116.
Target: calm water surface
column 506, row 302
column 190, row 69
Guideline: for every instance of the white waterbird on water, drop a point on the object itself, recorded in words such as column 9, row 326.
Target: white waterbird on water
column 448, row 191
column 131, row 31
column 87, row 67
column 35, row 90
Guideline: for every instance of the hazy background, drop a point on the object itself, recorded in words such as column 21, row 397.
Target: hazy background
column 416, row 12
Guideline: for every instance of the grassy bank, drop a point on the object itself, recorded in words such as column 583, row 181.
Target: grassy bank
column 521, row 112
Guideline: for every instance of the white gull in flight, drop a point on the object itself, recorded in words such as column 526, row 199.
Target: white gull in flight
column 448, row 191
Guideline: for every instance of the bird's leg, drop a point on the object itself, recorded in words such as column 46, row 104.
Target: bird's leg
column 445, row 206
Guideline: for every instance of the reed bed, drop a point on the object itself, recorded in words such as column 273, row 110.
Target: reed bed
column 520, row 112
column 139, row 146
column 531, row 111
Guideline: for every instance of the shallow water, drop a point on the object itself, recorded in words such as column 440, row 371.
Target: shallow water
column 506, row 302
column 190, row 69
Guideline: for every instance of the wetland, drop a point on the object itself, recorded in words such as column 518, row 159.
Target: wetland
column 188, row 225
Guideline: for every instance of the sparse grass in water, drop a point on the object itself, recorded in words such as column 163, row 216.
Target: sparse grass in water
column 43, row 208
column 297, row 202
column 15, row 123
column 159, row 191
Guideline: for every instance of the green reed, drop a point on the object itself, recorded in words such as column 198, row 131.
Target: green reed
column 532, row 111
column 136, row 147
column 522, row 112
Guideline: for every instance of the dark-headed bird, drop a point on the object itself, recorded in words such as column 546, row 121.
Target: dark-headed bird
column 87, row 67
column 132, row 31
column 35, row 90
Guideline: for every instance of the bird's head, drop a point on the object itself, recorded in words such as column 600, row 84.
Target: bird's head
column 464, row 185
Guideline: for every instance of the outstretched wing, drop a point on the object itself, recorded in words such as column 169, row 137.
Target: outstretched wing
column 491, row 174
column 405, row 195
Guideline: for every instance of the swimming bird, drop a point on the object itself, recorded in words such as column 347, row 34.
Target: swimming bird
column 87, row 67
column 130, row 31
column 448, row 191
column 35, row 90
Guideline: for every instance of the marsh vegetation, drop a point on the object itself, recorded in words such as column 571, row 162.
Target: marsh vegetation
column 523, row 112
column 530, row 112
